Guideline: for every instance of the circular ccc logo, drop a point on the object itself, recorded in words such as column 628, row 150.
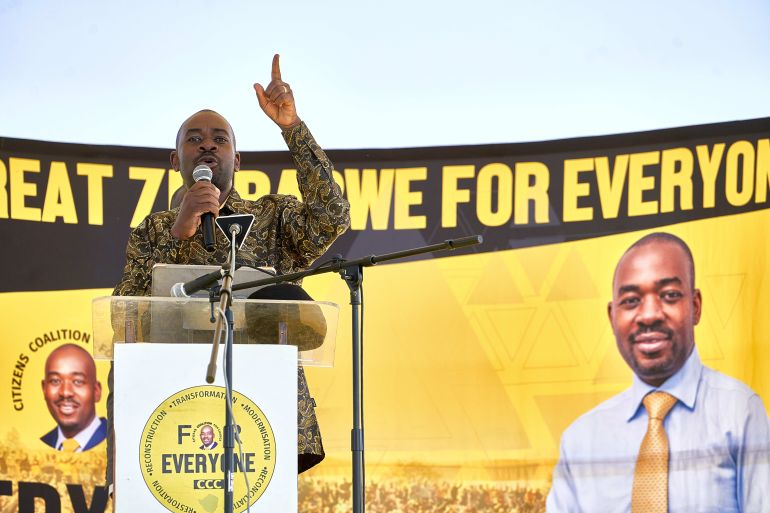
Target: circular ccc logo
column 181, row 451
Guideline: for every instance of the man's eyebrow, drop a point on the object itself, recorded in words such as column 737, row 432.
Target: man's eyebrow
column 224, row 130
column 658, row 284
column 628, row 288
column 668, row 281
column 57, row 373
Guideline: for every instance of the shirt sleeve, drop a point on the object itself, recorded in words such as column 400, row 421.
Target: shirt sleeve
column 753, row 480
column 310, row 226
column 140, row 250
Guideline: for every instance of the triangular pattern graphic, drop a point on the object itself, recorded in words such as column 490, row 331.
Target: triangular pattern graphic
column 587, row 320
column 707, row 336
column 510, row 326
column 496, row 286
column 460, row 280
column 574, row 280
column 550, row 347
column 723, row 293
column 536, row 263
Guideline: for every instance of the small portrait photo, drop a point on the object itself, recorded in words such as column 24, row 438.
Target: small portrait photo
column 208, row 438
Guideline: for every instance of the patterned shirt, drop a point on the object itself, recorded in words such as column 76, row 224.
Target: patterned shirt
column 287, row 234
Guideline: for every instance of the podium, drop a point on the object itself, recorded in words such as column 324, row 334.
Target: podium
column 169, row 432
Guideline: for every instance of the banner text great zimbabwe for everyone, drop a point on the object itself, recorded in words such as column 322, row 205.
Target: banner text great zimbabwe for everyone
column 563, row 188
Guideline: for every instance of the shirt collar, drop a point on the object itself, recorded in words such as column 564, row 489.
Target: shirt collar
column 233, row 204
column 683, row 385
column 83, row 437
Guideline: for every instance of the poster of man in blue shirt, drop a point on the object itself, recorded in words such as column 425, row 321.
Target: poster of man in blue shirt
column 684, row 437
column 71, row 391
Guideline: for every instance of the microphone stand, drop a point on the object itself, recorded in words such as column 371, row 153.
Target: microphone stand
column 225, row 303
column 232, row 227
column 352, row 272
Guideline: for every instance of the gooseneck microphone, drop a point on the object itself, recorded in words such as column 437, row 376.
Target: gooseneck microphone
column 191, row 287
column 203, row 172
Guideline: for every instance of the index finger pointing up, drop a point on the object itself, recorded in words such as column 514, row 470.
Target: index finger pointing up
column 276, row 72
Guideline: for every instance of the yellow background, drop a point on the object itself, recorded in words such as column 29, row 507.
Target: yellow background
column 474, row 365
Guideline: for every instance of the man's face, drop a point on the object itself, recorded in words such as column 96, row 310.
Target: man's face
column 71, row 390
column 207, row 435
column 654, row 310
column 206, row 138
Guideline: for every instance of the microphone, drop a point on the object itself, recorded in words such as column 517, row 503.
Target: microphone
column 203, row 172
column 191, row 287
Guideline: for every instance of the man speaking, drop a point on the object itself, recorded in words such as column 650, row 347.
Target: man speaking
column 287, row 234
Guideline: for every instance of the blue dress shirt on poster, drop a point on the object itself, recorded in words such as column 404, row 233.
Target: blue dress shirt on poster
column 90, row 437
column 719, row 439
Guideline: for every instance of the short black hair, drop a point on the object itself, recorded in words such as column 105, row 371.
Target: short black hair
column 671, row 239
column 179, row 132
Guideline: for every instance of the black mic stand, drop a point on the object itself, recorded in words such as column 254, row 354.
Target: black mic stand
column 352, row 271
column 225, row 303
column 235, row 228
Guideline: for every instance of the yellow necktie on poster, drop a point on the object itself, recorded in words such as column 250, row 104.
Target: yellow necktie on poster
column 70, row 445
column 650, row 491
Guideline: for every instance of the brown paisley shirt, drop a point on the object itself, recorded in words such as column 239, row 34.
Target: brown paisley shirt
column 287, row 234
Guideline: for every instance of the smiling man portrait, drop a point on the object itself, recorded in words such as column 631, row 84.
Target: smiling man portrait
column 71, row 392
column 207, row 437
column 684, row 437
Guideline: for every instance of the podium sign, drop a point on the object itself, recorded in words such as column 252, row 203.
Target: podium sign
column 169, row 426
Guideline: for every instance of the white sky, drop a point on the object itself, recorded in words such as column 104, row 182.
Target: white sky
column 380, row 74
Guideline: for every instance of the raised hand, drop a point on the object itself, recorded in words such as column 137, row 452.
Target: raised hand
column 277, row 101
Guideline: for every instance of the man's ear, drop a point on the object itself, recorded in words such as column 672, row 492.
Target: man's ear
column 697, row 305
column 97, row 391
column 174, row 158
column 237, row 161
